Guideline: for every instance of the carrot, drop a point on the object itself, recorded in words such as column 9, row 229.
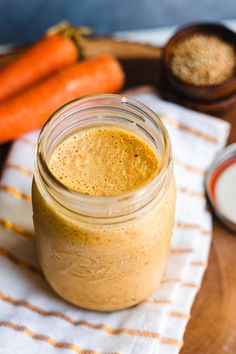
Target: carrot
column 30, row 109
column 43, row 58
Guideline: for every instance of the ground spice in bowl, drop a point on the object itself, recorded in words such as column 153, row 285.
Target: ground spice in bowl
column 203, row 60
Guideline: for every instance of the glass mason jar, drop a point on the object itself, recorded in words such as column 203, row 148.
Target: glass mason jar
column 103, row 253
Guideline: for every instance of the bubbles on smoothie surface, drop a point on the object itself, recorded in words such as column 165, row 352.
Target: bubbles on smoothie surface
column 103, row 162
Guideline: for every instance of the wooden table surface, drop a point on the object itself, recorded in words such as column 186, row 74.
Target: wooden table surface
column 212, row 327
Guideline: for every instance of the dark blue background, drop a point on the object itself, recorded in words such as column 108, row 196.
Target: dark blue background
column 25, row 20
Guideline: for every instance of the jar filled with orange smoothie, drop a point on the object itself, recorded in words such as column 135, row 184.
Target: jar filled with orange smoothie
column 103, row 202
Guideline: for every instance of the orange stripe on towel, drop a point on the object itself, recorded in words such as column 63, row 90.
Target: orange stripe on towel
column 158, row 302
column 7, row 224
column 191, row 193
column 181, row 281
column 189, row 167
column 15, row 192
column 181, row 250
column 179, row 314
column 191, row 130
column 206, row 233
column 171, row 341
column 27, row 142
column 43, row 338
column 19, row 262
column 19, row 168
column 199, row 264
column 187, row 225
column 66, row 318
column 190, row 285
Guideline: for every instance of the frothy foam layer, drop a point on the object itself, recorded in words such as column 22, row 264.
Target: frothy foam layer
column 103, row 162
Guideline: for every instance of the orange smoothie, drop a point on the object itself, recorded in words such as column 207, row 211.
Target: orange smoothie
column 104, row 266
column 104, row 162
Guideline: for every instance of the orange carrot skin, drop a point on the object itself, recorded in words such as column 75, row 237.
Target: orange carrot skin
column 30, row 109
column 46, row 56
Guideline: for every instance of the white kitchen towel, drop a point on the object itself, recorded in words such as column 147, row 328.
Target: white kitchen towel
column 33, row 319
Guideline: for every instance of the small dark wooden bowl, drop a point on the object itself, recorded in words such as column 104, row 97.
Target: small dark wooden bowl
column 202, row 93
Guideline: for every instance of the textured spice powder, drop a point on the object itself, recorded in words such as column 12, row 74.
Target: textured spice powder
column 203, row 60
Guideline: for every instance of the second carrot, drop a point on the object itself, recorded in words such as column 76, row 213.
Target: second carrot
column 30, row 109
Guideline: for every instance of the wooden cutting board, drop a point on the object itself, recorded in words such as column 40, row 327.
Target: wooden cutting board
column 212, row 327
